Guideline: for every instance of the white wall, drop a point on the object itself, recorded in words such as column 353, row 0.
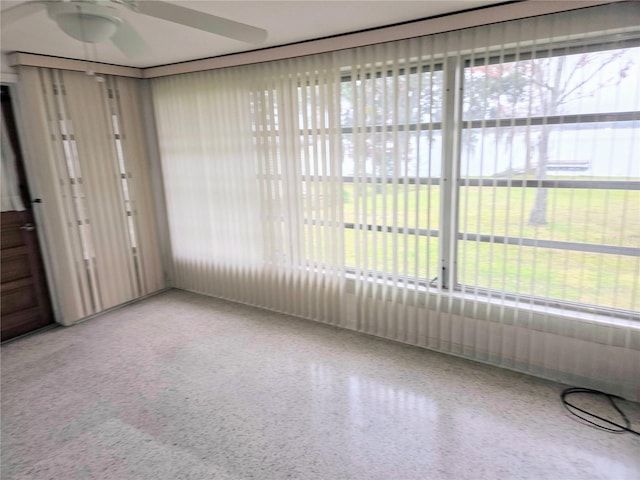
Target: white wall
column 8, row 74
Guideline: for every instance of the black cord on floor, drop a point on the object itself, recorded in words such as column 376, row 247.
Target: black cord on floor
column 573, row 409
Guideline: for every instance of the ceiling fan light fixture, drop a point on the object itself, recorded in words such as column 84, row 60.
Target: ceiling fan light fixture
column 85, row 22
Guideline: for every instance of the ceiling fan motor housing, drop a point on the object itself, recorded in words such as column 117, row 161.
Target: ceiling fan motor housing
column 85, row 21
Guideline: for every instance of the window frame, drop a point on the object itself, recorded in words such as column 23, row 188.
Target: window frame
column 565, row 119
column 451, row 181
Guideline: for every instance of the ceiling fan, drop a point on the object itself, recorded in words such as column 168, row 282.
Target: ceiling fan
column 95, row 21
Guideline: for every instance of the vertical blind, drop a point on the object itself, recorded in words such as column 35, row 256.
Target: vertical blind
column 549, row 173
column 460, row 191
column 252, row 170
column 91, row 172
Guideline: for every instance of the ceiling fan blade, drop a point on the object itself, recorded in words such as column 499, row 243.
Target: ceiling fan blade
column 130, row 42
column 202, row 21
column 18, row 12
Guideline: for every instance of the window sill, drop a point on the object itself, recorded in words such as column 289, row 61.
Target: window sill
column 591, row 326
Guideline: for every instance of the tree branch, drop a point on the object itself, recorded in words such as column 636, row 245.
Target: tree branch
column 562, row 98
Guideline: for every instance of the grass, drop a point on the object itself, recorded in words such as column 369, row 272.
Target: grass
column 609, row 217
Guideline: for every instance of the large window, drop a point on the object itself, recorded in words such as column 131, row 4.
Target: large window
column 542, row 146
column 485, row 167
column 549, row 176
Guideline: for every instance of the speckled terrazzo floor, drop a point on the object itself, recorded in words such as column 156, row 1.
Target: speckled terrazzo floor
column 181, row 386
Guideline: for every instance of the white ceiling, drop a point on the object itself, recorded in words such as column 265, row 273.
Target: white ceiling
column 286, row 21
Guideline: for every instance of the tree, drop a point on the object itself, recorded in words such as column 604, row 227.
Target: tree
column 381, row 101
column 540, row 88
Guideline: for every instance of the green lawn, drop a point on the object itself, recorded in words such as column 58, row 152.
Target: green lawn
column 574, row 215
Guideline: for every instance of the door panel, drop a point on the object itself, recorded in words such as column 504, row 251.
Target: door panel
column 14, row 264
column 18, row 295
column 24, row 301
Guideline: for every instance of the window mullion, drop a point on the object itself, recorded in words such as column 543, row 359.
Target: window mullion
column 451, row 133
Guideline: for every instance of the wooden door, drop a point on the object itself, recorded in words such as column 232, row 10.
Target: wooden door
column 24, row 298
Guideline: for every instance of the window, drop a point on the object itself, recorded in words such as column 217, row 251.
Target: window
column 549, row 191
column 415, row 166
column 391, row 124
column 545, row 157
